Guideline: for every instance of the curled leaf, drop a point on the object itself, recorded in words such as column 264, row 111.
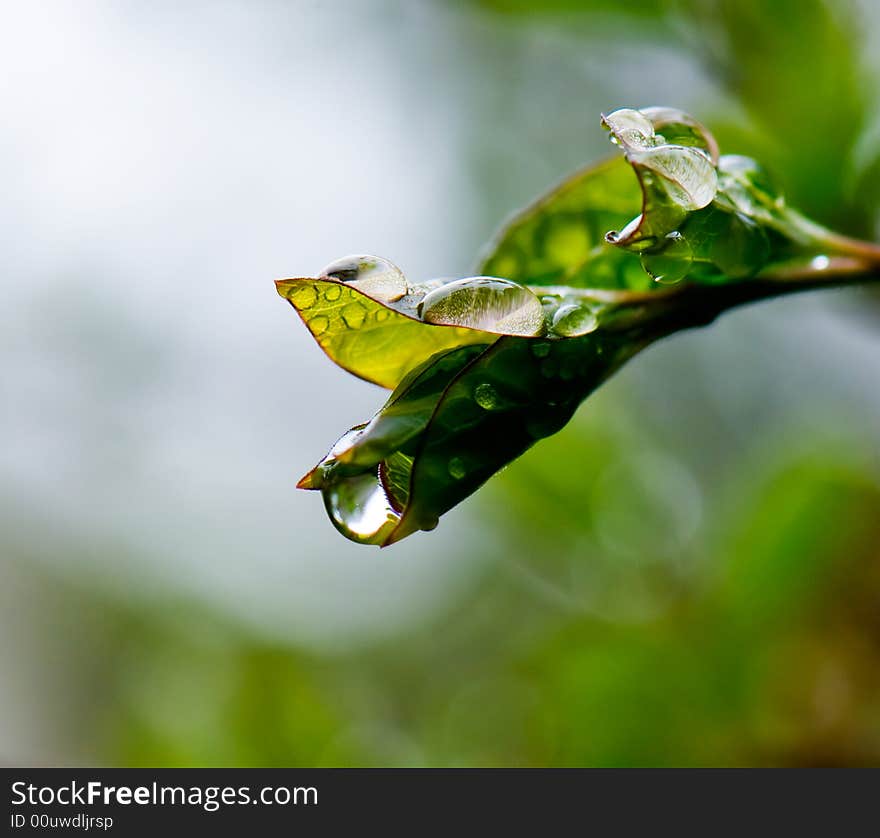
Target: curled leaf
column 676, row 178
column 482, row 367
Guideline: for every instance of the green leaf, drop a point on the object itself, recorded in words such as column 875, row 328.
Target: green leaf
column 451, row 425
column 483, row 367
column 560, row 239
column 369, row 321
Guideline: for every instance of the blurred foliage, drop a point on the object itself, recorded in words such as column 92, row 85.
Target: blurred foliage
column 579, row 647
column 796, row 70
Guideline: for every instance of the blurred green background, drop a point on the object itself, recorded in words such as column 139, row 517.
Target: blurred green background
column 689, row 574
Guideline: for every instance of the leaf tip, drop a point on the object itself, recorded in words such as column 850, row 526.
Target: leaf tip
column 307, row 481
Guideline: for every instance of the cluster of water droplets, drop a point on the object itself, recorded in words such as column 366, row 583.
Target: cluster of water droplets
column 683, row 161
column 483, row 303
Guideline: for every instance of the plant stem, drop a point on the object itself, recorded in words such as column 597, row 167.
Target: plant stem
column 834, row 244
column 685, row 306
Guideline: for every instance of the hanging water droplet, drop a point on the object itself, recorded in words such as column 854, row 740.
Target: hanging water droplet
column 456, row 468
column 485, row 303
column 354, row 315
column 575, row 319
column 360, row 509
column 672, row 263
column 371, row 275
column 486, row 396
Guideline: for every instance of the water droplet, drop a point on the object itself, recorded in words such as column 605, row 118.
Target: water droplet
column 382, row 314
column 318, row 325
column 343, row 445
column 820, row 263
column 575, row 319
column 456, row 468
column 354, row 315
column 485, row 303
column 688, row 175
column 672, row 263
column 304, row 296
column 630, row 128
column 333, row 293
column 540, row 349
column 359, row 508
column 371, row 275
column 485, row 396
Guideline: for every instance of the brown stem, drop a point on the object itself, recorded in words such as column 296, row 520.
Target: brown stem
column 688, row 305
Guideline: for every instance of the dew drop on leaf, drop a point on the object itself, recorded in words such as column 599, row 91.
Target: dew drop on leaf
column 354, row 315
column 304, row 296
column 485, row 396
column 456, row 468
column 371, row 275
column 319, row 325
column 574, row 319
column 485, row 303
column 630, row 128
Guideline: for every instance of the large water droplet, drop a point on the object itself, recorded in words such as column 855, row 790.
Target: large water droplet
column 689, row 177
column 672, row 263
column 486, row 396
column 360, row 509
column 371, row 275
column 575, row 319
column 630, row 128
column 485, row 303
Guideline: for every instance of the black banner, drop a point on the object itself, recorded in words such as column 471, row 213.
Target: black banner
column 141, row 801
